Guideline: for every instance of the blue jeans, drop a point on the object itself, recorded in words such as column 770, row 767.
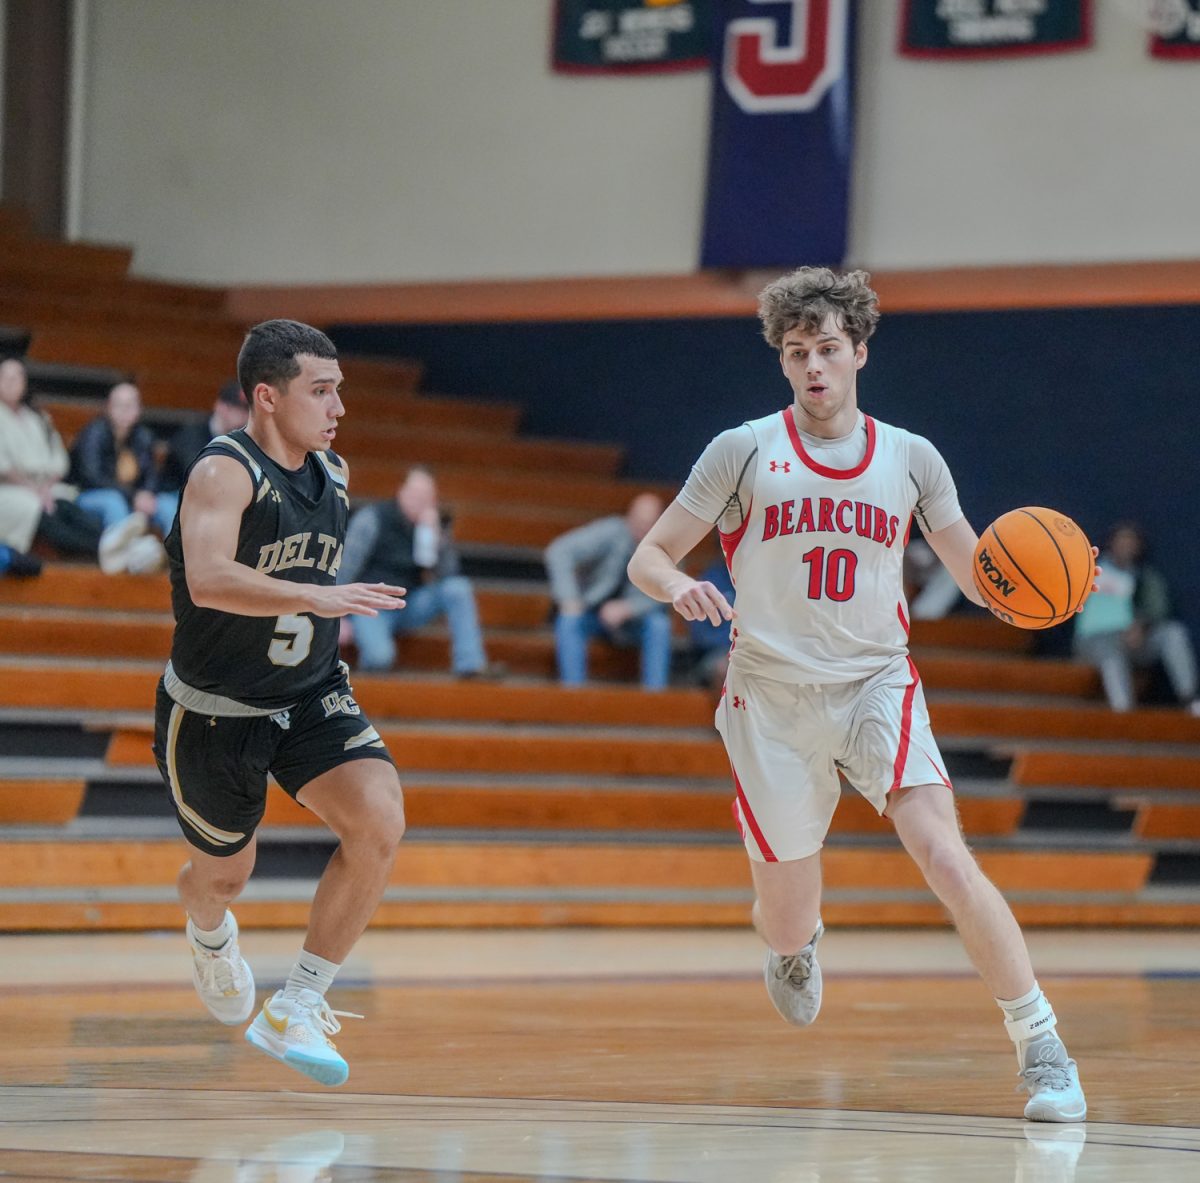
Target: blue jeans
column 110, row 506
column 652, row 632
column 452, row 597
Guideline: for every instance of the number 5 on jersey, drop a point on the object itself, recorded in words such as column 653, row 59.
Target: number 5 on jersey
column 292, row 641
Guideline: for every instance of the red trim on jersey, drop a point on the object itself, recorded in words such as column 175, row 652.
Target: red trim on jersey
column 905, row 727
column 837, row 474
column 748, row 814
column 903, row 618
column 908, row 531
column 941, row 775
column 729, row 542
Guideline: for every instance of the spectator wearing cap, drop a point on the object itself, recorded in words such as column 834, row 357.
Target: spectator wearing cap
column 229, row 413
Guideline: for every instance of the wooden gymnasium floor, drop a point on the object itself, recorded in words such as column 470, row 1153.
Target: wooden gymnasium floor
column 597, row 1055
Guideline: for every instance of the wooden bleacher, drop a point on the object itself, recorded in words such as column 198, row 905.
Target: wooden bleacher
column 528, row 804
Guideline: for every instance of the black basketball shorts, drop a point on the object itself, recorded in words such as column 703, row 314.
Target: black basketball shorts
column 215, row 768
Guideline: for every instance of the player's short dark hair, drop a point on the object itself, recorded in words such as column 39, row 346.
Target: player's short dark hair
column 270, row 350
column 808, row 295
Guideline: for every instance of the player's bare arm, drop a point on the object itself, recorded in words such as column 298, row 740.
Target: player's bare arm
column 655, row 567
column 955, row 546
column 218, row 491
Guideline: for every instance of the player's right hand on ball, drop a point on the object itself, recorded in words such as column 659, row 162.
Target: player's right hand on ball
column 701, row 601
column 357, row 599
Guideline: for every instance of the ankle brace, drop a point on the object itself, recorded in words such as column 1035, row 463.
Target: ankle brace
column 1028, row 1020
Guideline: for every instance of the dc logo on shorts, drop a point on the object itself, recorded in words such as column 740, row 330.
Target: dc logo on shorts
column 339, row 704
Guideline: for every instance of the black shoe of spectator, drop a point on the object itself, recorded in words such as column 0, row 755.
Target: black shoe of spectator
column 23, row 565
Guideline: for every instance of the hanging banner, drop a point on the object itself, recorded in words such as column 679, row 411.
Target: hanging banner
column 781, row 134
column 1176, row 29
column 993, row 28
column 631, row 36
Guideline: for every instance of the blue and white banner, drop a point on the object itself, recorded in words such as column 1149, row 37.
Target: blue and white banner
column 782, row 134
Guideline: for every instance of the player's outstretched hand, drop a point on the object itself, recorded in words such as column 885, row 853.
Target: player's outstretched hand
column 357, row 599
column 702, row 601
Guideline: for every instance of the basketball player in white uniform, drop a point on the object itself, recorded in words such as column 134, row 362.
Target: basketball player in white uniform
column 813, row 505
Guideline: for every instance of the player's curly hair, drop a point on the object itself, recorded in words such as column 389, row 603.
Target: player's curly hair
column 809, row 294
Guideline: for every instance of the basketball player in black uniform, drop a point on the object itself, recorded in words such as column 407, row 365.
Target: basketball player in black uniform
column 254, row 686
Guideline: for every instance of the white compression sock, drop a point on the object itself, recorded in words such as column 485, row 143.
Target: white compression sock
column 310, row 973
column 215, row 939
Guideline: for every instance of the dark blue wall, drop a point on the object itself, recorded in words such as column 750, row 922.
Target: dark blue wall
column 1092, row 411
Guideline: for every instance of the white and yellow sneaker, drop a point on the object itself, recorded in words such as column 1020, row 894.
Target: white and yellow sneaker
column 297, row 1030
column 222, row 978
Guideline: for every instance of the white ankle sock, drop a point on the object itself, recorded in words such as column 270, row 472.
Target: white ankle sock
column 310, row 973
column 217, row 938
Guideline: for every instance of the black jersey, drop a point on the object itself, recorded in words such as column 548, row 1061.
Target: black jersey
column 292, row 529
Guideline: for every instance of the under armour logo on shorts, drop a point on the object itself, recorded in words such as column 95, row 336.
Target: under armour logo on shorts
column 283, row 719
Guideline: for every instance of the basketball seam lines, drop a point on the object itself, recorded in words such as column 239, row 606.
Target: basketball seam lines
column 1034, row 586
column 1062, row 558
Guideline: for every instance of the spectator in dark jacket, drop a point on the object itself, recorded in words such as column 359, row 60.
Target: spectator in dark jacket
column 229, row 412
column 113, row 464
column 406, row 542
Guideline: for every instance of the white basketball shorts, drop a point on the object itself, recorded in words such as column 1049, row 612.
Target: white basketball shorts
column 787, row 743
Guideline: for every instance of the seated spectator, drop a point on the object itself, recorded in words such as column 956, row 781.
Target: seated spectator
column 113, row 464
column 35, row 502
column 594, row 597
column 710, row 642
column 406, row 542
column 229, row 412
column 1126, row 624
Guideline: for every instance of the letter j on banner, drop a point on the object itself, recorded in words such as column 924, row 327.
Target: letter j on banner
column 782, row 134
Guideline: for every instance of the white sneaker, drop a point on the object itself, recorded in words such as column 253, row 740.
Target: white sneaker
column 296, row 1031
column 145, row 556
column 116, row 541
column 794, row 983
column 1051, row 1079
column 222, row 978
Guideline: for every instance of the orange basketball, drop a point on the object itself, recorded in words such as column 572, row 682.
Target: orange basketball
column 1034, row 567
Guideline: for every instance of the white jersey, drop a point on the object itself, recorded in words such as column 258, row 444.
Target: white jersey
column 817, row 559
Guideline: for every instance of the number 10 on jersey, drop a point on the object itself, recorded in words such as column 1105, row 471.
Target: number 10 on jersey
column 832, row 573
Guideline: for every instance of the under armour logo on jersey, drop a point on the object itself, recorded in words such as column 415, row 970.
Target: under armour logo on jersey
column 739, row 703
column 781, row 466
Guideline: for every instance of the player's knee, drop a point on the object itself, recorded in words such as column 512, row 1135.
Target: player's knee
column 223, row 880
column 786, row 933
column 949, row 867
column 377, row 830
